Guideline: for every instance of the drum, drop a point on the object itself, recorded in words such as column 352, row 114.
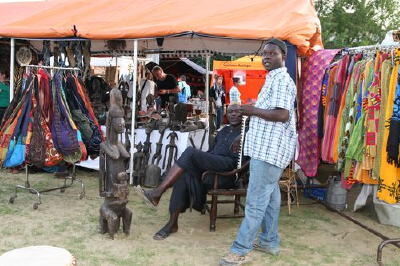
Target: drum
column 38, row 256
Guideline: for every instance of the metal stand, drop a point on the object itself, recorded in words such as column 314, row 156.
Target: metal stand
column 71, row 177
column 395, row 242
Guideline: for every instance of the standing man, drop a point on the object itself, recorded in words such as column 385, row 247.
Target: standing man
column 167, row 86
column 4, row 93
column 217, row 93
column 234, row 93
column 271, row 143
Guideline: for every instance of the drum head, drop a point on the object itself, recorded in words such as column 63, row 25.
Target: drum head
column 38, row 256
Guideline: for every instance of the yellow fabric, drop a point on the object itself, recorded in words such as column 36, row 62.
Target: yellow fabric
column 388, row 187
column 386, row 69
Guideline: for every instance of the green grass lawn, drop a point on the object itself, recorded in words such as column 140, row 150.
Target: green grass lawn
column 310, row 236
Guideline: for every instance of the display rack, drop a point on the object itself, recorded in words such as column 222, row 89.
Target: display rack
column 71, row 177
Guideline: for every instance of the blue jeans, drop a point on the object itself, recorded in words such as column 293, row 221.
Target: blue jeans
column 263, row 204
column 220, row 116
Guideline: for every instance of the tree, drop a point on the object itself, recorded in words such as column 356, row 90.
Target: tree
column 350, row 23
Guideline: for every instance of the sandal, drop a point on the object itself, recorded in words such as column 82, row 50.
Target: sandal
column 163, row 234
column 144, row 194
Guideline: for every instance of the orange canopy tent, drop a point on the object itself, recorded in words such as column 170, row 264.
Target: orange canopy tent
column 165, row 26
column 248, row 22
column 248, row 67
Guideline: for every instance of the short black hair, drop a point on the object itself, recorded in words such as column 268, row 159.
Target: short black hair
column 5, row 72
column 281, row 44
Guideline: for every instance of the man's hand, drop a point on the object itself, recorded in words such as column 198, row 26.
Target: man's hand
column 247, row 109
column 235, row 146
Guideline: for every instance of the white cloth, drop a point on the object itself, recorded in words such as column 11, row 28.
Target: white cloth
column 182, row 143
column 274, row 142
column 148, row 88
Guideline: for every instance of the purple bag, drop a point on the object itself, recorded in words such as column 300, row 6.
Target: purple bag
column 64, row 136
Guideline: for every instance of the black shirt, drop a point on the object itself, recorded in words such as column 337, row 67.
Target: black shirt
column 224, row 140
column 168, row 83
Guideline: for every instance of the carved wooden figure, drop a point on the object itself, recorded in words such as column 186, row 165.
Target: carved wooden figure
column 113, row 178
column 138, row 158
column 173, row 150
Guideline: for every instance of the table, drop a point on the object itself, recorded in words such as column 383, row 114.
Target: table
column 182, row 143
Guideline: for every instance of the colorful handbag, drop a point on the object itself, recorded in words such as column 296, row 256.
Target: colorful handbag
column 16, row 153
column 64, row 137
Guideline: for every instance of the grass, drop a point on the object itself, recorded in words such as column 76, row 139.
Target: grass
column 310, row 236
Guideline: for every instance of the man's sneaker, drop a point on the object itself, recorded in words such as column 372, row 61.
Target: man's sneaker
column 271, row 251
column 234, row 259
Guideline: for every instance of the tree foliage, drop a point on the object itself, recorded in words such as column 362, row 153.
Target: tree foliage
column 350, row 23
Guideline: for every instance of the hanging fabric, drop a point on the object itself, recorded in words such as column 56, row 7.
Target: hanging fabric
column 313, row 71
column 389, row 180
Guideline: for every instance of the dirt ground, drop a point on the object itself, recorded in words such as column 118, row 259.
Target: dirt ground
column 310, row 236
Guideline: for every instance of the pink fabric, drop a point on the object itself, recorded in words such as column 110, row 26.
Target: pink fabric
column 312, row 75
column 333, row 108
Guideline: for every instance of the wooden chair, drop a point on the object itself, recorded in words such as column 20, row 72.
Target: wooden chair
column 289, row 185
column 236, row 193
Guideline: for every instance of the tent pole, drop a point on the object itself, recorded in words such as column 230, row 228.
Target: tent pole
column 133, row 108
column 12, row 60
column 207, row 87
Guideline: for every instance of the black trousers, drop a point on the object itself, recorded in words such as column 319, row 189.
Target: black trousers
column 190, row 191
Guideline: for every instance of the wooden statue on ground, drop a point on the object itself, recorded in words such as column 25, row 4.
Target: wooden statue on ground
column 173, row 150
column 138, row 170
column 113, row 179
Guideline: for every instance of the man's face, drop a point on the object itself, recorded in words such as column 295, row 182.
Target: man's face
column 158, row 74
column 234, row 115
column 219, row 81
column 272, row 57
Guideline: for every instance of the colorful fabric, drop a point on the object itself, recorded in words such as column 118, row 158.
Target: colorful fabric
column 389, row 180
column 394, row 131
column 386, row 71
column 347, row 117
column 335, row 95
column 313, row 73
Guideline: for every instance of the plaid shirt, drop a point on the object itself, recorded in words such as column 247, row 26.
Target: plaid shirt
column 274, row 142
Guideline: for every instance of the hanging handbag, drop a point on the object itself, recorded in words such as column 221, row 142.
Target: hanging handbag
column 64, row 137
column 83, row 124
column 37, row 149
column 16, row 153
column 17, row 148
column 9, row 125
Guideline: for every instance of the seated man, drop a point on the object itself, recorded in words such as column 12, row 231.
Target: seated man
column 185, row 174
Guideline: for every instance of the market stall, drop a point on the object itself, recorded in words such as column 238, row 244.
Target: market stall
column 202, row 33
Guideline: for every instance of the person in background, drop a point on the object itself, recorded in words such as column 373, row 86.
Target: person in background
column 167, row 86
column 217, row 94
column 4, row 92
column 270, row 143
column 147, row 87
column 185, row 92
column 200, row 94
column 234, row 93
